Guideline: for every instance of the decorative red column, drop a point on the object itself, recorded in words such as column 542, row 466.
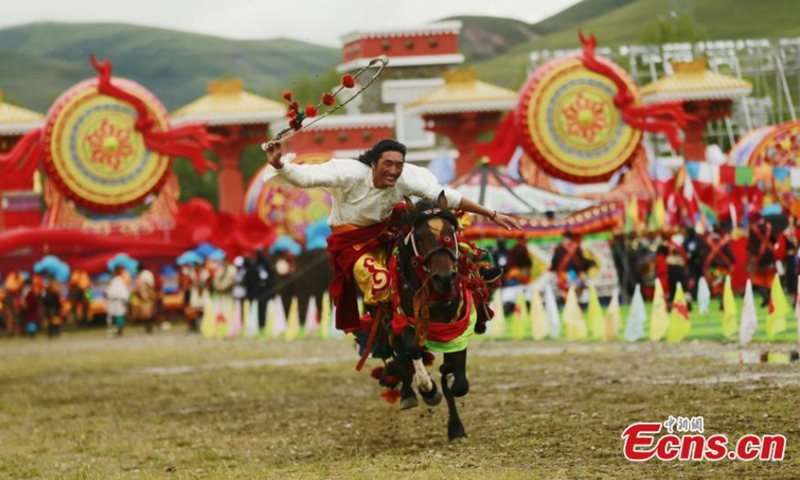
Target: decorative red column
column 231, row 181
column 463, row 129
column 694, row 148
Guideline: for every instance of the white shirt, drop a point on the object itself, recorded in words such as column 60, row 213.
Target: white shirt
column 356, row 200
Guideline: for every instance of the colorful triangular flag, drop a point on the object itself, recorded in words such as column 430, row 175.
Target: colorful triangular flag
column 594, row 315
column 551, row 306
column 612, row 319
column 325, row 318
column 235, row 327
column 703, row 296
column 659, row 320
column 251, row 323
column 777, row 311
column 280, row 324
column 538, row 317
column 749, row 319
column 679, row 324
column 573, row 317
column 293, row 321
column 730, row 311
column 312, row 323
column 634, row 326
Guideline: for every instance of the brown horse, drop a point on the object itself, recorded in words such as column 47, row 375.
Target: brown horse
column 431, row 311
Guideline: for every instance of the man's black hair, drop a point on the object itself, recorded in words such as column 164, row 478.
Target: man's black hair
column 374, row 154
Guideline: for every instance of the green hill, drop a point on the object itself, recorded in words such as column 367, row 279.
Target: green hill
column 176, row 66
column 617, row 22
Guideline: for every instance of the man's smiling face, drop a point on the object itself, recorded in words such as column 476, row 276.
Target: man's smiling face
column 387, row 169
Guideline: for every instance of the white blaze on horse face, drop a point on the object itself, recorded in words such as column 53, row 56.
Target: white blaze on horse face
column 436, row 224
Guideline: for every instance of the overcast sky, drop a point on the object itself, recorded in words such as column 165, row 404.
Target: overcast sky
column 317, row 21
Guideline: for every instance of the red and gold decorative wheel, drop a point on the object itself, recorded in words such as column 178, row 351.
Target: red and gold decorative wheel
column 568, row 123
column 289, row 209
column 779, row 147
column 93, row 152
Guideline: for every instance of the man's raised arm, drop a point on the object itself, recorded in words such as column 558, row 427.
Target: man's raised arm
column 321, row 175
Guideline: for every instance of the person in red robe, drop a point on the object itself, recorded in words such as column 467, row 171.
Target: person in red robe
column 786, row 252
column 570, row 264
column 761, row 263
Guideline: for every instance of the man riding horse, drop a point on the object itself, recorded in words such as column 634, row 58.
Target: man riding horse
column 365, row 193
column 419, row 299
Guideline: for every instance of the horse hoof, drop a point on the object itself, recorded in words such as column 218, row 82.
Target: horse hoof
column 432, row 398
column 409, row 402
column 459, row 439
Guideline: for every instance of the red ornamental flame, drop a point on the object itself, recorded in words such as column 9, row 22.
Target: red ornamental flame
column 391, row 395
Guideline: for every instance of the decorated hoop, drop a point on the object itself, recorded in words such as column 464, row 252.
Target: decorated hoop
column 290, row 209
column 569, row 124
column 93, row 152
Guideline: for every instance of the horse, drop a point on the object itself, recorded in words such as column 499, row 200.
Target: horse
column 433, row 283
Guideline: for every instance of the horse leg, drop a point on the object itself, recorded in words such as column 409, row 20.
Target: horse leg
column 427, row 387
column 454, row 384
column 408, row 399
column 414, row 351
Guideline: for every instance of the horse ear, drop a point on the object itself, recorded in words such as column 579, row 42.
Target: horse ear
column 411, row 209
column 442, row 201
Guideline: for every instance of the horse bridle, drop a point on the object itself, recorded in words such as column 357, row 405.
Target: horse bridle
column 450, row 250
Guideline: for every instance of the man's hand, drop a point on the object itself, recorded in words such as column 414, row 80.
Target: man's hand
column 507, row 221
column 274, row 154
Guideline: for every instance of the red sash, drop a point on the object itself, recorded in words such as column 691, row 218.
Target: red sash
column 716, row 249
column 570, row 250
column 763, row 238
column 439, row 332
column 344, row 249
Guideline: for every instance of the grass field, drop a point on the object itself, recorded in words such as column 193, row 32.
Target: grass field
column 173, row 405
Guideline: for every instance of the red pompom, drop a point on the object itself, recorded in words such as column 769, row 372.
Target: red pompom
column 311, row 111
column 291, row 114
column 296, row 124
column 328, row 99
column 391, row 395
column 348, row 81
column 377, row 373
column 287, row 95
column 294, row 106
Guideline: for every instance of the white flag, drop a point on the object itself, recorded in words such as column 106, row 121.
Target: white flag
column 280, row 318
column 749, row 325
column 539, row 325
column 703, row 295
column 551, row 306
column 634, row 327
column 311, row 323
column 251, row 322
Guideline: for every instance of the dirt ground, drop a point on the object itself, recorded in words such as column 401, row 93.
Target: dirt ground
column 173, row 405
